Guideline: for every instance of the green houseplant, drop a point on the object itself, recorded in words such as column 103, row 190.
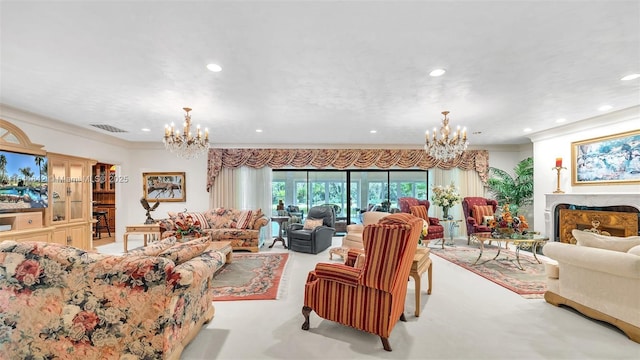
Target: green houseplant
column 516, row 191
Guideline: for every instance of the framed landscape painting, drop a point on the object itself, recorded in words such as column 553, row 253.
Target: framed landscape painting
column 164, row 186
column 613, row 159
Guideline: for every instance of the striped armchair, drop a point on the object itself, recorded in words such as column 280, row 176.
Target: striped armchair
column 376, row 289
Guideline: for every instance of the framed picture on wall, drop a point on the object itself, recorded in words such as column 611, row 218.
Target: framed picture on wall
column 612, row 159
column 164, row 186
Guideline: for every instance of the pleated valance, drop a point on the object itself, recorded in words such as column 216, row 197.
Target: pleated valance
column 477, row 160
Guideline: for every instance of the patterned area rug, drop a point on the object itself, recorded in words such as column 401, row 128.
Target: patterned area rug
column 530, row 283
column 250, row 277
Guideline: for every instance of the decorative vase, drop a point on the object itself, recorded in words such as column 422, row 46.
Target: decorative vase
column 445, row 212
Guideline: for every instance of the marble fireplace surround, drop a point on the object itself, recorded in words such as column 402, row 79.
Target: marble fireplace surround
column 592, row 199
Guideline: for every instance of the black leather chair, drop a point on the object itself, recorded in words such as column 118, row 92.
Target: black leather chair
column 316, row 240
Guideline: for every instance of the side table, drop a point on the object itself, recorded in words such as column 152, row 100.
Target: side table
column 449, row 226
column 421, row 263
column 280, row 220
column 152, row 230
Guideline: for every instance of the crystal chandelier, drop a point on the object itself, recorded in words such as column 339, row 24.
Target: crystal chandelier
column 185, row 144
column 445, row 147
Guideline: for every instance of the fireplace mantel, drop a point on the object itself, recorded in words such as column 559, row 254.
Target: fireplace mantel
column 592, row 199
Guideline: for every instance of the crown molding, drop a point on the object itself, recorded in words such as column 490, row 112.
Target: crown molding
column 614, row 117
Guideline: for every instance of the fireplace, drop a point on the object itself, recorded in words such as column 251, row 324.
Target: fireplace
column 626, row 202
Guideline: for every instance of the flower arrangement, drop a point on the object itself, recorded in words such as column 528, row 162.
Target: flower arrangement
column 424, row 232
column 188, row 226
column 505, row 223
column 445, row 197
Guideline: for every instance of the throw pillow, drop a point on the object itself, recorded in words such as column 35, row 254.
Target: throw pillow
column 196, row 216
column 255, row 222
column 154, row 248
column 634, row 250
column 310, row 224
column 615, row 243
column 487, row 219
column 419, row 211
column 480, row 211
column 186, row 251
column 244, row 219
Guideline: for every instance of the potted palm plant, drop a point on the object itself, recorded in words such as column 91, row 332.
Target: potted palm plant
column 516, row 191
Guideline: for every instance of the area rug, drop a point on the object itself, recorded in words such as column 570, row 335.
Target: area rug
column 250, row 277
column 529, row 283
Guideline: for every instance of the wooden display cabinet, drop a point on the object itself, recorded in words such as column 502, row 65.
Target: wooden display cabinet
column 70, row 200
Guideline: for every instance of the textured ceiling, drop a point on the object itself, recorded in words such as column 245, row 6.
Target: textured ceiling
column 320, row 72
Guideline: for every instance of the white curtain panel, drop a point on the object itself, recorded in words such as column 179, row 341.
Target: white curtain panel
column 242, row 188
column 467, row 182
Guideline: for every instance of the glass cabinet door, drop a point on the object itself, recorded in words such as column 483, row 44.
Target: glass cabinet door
column 76, row 179
column 59, row 191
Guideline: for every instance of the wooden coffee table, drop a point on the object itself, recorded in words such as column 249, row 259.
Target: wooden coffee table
column 225, row 248
column 421, row 263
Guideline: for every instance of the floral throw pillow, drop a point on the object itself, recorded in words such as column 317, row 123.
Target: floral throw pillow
column 310, row 224
column 186, row 251
column 154, row 248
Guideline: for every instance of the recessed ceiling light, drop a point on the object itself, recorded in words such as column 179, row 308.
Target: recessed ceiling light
column 373, row 131
column 258, row 130
column 561, row 120
column 526, row 129
column 145, row 129
column 605, row 107
column 437, row 72
column 630, row 77
column 214, row 67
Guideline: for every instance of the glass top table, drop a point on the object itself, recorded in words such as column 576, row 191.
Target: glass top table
column 525, row 242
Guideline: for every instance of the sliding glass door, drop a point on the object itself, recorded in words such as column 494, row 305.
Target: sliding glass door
column 369, row 190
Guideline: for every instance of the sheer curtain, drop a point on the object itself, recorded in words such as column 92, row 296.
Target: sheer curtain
column 467, row 182
column 243, row 188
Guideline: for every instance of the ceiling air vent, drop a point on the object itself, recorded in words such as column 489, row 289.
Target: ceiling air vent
column 109, row 128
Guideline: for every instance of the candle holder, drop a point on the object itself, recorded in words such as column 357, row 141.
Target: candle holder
column 558, row 168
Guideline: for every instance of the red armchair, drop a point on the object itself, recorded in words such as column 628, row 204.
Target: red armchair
column 370, row 298
column 436, row 231
column 485, row 207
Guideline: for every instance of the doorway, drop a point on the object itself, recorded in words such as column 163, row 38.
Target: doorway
column 104, row 203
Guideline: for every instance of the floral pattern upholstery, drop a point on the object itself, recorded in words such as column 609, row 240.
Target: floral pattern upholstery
column 222, row 225
column 61, row 302
column 474, row 226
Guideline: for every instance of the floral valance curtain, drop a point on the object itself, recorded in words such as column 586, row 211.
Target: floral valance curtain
column 477, row 160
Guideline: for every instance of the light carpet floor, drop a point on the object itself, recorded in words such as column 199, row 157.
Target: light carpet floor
column 465, row 317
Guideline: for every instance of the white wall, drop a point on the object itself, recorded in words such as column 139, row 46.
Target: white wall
column 549, row 145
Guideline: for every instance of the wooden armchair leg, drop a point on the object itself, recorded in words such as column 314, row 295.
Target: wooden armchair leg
column 385, row 343
column 305, row 312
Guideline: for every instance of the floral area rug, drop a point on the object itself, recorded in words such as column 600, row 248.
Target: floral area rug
column 529, row 283
column 252, row 276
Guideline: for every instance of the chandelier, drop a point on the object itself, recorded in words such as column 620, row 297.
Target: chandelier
column 185, row 144
column 446, row 147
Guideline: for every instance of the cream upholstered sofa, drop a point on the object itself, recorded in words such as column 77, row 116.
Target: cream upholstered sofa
column 599, row 277
column 353, row 239
column 60, row 302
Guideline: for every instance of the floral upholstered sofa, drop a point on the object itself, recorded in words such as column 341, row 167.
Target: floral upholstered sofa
column 240, row 227
column 60, row 302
